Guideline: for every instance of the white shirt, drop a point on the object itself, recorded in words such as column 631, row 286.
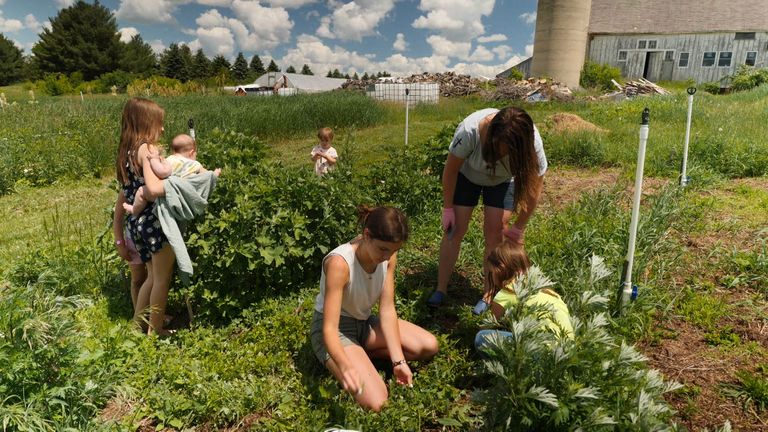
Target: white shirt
column 321, row 164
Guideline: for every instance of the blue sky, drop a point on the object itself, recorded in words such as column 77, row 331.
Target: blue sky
column 478, row 37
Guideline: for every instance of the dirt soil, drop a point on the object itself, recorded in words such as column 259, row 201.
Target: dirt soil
column 569, row 123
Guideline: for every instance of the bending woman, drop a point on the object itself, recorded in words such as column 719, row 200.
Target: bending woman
column 497, row 154
column 345, row 336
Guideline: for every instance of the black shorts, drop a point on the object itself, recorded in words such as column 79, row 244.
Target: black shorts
column 468, row 194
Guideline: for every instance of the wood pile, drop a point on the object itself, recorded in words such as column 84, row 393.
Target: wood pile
column 641, row 87
column 451, row 84
column 532, row 89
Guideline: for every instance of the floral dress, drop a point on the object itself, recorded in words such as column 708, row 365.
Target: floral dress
column 144, row 228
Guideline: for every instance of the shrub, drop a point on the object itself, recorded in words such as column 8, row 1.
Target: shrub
column 711, row 87
column 162, row 86
column 595, row 75
column 748, row 77
column 55, row 84
column 119, row 79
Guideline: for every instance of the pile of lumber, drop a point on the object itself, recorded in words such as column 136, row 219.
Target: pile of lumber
column 641, row 86
column 451, row 84
column 532, row 89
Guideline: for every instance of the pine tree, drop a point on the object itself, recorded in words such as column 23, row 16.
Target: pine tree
column 346, row 76
column 201, row 66
column 306, row 70
column 257, row 67
column 219, row 63
column 138, row 57
column 365, row 76
column 273, row 67
column 291, row 69
column 172, row 63
column 355, row 77
column 11, row 62
column 240, row 68
column 81, row 38
column 337, row 74
column 188, row 61
column 329, row 75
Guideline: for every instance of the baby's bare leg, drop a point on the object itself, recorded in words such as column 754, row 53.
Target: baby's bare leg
column 139, row 203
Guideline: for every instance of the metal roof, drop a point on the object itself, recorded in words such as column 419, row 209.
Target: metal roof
column 677, row 16
column 306, row 83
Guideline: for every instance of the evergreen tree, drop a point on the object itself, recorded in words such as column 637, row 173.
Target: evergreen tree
column 138, row 57
column 365, row 76
column 201, row 66
column 172, row 63
column 188, row 61
column 329, row 74
column 337, row 74
column 290, row 69
column 81, row 38
column 355, row 77
column 346, row 75
column 306, row 70
column 11, row 62
column 273, row 67
column 240, row 68
column 257, row 67
column 219, row 63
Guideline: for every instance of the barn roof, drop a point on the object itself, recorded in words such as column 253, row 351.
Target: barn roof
column 308, row 83
column 678, row 16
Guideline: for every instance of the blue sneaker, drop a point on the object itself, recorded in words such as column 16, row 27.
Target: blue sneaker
column 480, row 307
column 436, row 299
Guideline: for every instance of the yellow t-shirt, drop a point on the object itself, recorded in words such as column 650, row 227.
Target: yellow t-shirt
column 560, row 317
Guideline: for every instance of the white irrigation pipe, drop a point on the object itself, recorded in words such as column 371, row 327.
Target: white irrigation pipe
column 683, row 177
column 627, row 291
column 191, row 124
column 406, row 116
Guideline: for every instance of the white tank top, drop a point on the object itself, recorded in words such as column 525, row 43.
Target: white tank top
column 363, row 289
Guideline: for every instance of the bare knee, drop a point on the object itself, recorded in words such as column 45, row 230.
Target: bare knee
column 429, row 347
column 374, row 400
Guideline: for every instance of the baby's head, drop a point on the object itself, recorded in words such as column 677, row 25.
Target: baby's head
column 184, row 145
column 326, row 137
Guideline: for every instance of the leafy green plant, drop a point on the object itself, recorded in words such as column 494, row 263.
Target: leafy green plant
column 595, row 75
column 752, row 388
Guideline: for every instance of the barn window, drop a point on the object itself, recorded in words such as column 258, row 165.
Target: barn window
column 652, row 44
column 745, row 36
column 751, row 58
column 725, row 59
column 669, row 55
column 622, row 55
column 641, row 44
column 709, row 59
column 683, row 63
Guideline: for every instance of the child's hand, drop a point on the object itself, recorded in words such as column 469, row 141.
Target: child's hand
column 217, row 172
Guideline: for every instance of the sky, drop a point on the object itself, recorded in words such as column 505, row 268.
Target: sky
column 403, row 37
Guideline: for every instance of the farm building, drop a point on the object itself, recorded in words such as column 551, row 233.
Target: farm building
column 302, row 83
column 654, row 39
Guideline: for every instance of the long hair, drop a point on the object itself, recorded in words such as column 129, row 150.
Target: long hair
column 511, row 132
column 142, row 122
column 384, row 223
column 506, row 262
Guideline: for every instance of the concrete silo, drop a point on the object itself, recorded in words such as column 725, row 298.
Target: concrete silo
column 560, row 43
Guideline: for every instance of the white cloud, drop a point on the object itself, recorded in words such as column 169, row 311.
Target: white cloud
column 488, row 71
column 223, row 3
column 529, row 50
column 356, row 19
column 324, row 31
column 2, row 2
column 270, row 27
column 492, row 38
column 444, row 47
column 127, row 33
column 32, row 23
column 400, row 43
column 215, row 41
column 146, row 11
column 457, row 20
column 10, row 25
column 481, row 54
column 157, row 46
column 61, row 4
column 502, row 51
column 290, row 4
column 528, row 17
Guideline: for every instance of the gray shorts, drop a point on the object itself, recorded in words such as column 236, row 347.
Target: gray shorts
column 351, row 331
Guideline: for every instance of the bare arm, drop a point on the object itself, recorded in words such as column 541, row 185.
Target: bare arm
column 154, row 184
column 331, row 160
column 161, row 167
column 450, row 175
column 336, row 278
column 389, row 324
column 117, row 227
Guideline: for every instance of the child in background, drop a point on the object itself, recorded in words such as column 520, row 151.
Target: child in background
column 182, row 163
column 323, row 154
column 505, row 264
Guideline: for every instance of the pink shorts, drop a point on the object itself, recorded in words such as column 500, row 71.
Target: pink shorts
column 132, row 252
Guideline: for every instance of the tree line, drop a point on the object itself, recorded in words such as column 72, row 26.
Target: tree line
column 83, row 44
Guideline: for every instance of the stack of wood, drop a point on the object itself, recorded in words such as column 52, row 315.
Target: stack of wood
column 641, row 86
column 451, row 84
column 532, row 89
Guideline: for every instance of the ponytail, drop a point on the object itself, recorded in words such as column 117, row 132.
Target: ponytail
column 384, row 223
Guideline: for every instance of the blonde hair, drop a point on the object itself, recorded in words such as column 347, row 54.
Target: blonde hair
column 142, row 123
column 182, row 143
column 325, row 132
column 505, row 263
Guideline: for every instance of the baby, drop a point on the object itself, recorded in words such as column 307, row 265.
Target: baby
column 181, row 163
column 323, row 154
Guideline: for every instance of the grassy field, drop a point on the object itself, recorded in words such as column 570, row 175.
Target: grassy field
column 77, row 363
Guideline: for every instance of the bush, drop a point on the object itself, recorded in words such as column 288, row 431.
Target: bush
column 595, row 75
column 119, row 79
column 55, row 84
column 748, row 77
column 162, row 86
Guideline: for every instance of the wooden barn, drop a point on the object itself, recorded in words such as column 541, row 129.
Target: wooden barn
column 702, row 40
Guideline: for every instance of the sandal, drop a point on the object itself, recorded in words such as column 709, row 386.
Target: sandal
column 480, row 307
column 436, row 299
